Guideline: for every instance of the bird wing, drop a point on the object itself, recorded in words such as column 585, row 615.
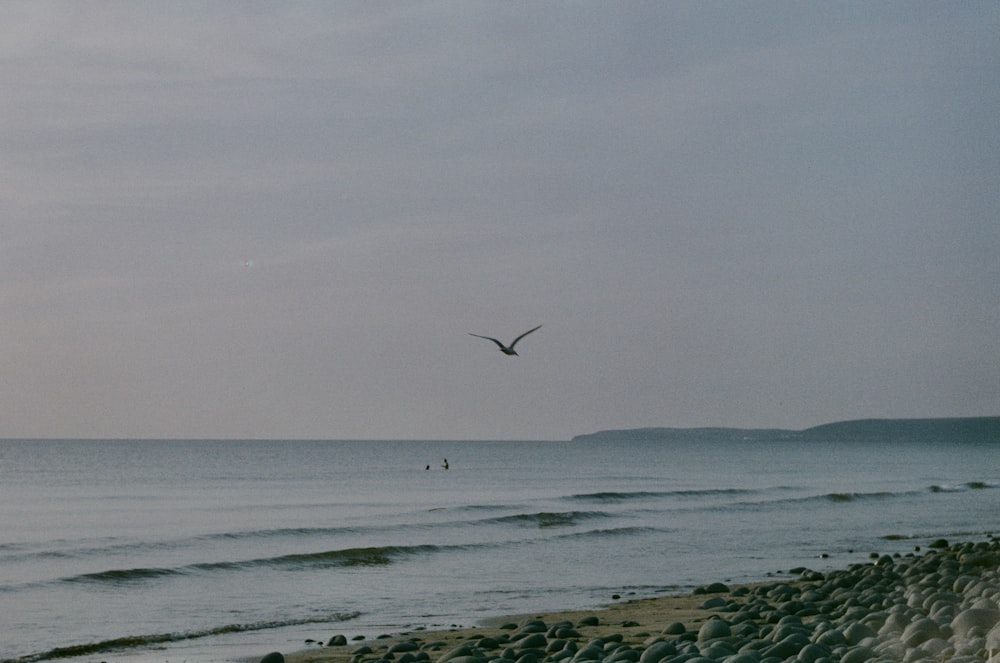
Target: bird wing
column 489, row 338
column 523, row 335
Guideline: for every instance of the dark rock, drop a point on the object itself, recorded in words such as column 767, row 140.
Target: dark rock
column 337, row 641
column 273, row 657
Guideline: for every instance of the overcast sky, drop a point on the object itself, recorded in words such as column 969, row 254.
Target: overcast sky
column 282, row 219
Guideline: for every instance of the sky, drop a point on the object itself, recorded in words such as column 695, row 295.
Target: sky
column 283, row 219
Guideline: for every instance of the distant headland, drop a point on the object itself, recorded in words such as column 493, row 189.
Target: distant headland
column 979, row 429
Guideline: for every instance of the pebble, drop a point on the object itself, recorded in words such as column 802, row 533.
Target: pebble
column 943, row 604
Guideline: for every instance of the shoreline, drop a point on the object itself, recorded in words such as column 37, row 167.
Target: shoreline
column 941, row 604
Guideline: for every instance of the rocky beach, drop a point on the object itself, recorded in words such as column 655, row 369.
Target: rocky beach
column 942, row 604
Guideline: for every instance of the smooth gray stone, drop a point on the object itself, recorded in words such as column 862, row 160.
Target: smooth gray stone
column 457, row 652
column 782, row 631
column 993, row 639
column 468, row 659
column 714, row 628
column 832, row 638
column 532, row 641
column 589, row 653
column 589, row 620
column 744, row 657
column 894, row 623
column 787, row 647
column 624, row 654
column 337, row 641
column 857, row 655
column 979, row 618
column 554, row 628
column 533, row 626
column 812, row 653
column 919, row 631
column 528, row 654
column 675, row 628
column 657, row 651
column 937, row 649
column 489, row 643
column 404, row 646
column 718, row 650
column 857, row 632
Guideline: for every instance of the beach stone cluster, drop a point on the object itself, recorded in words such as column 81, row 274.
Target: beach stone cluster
column 943, row 605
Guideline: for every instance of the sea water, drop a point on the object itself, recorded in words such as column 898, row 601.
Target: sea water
column 141, row 551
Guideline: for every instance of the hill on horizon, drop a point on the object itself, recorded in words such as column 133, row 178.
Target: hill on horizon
column 981, row 429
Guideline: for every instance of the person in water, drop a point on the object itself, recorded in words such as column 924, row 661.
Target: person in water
column 445, row 465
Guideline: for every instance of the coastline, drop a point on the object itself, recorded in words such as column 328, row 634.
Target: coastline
column 942, row 604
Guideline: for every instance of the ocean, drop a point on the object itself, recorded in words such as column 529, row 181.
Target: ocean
column 199, row 550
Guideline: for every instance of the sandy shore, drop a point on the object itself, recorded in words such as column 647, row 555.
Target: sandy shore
column 941, row 605
column 654, row 613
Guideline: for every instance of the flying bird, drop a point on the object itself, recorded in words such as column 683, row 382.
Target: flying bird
column 507, row 349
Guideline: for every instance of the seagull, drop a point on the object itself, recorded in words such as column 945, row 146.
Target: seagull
column 507, row 350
